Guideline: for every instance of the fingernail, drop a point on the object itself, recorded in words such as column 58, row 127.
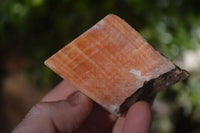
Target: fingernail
column 75, row 98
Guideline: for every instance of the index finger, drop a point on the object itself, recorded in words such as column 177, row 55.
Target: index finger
column 60, row 92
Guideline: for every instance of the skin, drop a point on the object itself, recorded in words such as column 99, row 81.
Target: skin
column 66, row 110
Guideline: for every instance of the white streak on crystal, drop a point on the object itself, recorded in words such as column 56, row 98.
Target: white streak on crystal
column 139, row 75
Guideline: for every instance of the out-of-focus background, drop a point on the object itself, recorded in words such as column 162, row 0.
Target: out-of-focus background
column 32, row 30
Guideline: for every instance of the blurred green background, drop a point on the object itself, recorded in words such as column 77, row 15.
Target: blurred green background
column 32, row 30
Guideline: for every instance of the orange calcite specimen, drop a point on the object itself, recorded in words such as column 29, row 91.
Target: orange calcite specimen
column 109, row 62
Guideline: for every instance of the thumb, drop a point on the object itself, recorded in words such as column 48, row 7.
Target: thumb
column 61, row 116
column 138, row 118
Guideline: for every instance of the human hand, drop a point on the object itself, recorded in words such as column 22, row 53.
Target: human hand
column 67, row 110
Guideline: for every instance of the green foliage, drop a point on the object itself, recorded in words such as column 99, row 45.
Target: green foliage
column 41, row 27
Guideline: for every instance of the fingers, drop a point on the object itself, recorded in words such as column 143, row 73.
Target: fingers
column 61, row 116
column 54, row 114
column 138, row 118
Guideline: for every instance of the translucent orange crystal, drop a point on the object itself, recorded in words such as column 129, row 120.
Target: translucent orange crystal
column 109, row 62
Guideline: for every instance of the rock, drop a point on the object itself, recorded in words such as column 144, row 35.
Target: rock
column 114, row 65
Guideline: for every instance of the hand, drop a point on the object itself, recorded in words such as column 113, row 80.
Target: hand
column 66, row 110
